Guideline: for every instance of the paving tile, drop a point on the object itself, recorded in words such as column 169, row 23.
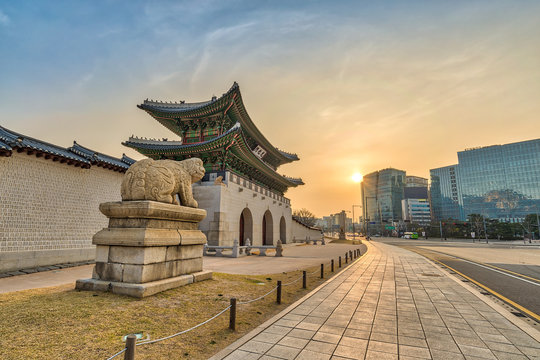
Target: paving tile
column 321, row 347
column 361, row 334
column 287, row 323
column 502, row 347
column 268, row 337
column 443, row 344
column 383, row 347
column 283, row 352
column 308, row 326
column 494, row 338
column 405, row 340
column 411, row 333
column 349, row 352
column 354, row 342
column 242, row 355
column 300, row 333
column 480, row 352
column 325, row 337
column 256, row 347
column 332, row 329
column 312, row 355
column 293, row 342
column 276, row 329
column 528, row 350
column 414, row 351
column 509, row 356
column 469, row 340
column 377, row 355
column 391, row 338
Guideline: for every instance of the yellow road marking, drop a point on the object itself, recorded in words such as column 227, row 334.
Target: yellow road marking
column 502, row 297
column 488, row 265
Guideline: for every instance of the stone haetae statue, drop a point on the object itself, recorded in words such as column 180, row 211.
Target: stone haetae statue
column 161, row 180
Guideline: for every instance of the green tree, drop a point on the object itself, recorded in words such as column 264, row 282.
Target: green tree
column 530, row 224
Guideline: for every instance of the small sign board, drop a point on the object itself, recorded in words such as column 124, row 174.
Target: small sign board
column 259, row 152
column 473, row 234
column 388, row 227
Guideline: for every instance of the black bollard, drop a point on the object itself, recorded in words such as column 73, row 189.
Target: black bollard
column 278, row 299
column 332, row 265
column 304, row 279
column 232, row 315
column 130, row 347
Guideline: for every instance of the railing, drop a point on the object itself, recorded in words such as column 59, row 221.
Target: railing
column 131, row 340
column 237, row 250
column 308, row 240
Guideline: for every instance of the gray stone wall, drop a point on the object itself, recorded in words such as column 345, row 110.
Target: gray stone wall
column 49, row 211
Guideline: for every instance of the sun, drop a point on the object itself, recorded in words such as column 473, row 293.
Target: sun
column 357, row 177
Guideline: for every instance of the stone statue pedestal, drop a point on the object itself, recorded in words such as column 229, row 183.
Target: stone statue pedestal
column 148, row 247
column 342, row 235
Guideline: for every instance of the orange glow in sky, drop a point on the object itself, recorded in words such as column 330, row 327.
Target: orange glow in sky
column 350, row 86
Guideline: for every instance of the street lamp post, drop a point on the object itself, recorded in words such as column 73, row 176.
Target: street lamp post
column 353, row 231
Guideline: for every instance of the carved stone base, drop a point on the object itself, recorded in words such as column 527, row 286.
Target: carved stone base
column 148, row 246
column 142, row 290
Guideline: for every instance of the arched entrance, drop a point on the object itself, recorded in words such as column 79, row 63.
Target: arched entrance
column 268, row 228
column 246, row 227
column 282, row 230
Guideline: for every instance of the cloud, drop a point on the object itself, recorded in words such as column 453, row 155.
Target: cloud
column 4, row 19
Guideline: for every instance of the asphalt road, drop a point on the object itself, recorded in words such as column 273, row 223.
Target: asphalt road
column 520, row 284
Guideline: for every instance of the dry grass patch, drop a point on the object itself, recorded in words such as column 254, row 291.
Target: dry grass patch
column 63, row 323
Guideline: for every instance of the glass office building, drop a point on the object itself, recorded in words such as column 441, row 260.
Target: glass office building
column 382, row 192
column 501, row 181
column 445, row 193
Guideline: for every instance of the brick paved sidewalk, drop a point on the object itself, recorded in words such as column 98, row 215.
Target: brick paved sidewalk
column 390, row 304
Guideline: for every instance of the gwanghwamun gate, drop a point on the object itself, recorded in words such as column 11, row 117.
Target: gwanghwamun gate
column 50, row 194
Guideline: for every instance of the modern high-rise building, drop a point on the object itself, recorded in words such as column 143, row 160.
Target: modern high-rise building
column 500, row 182
column 445, row 194
column 382, row 192
column 415, row 187
column 416, row 211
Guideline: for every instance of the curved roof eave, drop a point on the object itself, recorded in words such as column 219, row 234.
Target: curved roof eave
column 232, row 97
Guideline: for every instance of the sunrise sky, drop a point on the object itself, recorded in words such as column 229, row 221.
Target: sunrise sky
column 351, row 86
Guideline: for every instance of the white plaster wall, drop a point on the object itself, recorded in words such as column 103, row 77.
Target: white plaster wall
column 300, row 232
column 229, row 201
column 49, row 211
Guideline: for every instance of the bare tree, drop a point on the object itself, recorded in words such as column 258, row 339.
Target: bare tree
column 305, row 216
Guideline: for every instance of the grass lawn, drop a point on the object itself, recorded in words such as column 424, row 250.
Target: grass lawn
column 63, row 323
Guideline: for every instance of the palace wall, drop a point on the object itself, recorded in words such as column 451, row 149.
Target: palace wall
column 303, row 232
column 225, row 202
column 49, row 211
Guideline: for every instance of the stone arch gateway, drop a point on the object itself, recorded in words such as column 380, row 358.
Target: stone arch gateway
column 283, row 230
column 267, row 229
